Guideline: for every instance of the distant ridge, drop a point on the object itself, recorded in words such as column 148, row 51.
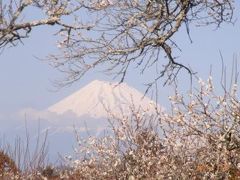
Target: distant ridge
column 97, row 97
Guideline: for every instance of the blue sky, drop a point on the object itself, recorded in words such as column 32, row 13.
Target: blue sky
column 27, row 81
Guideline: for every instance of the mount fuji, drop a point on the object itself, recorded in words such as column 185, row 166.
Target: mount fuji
column 85, row 111
column 98, row 98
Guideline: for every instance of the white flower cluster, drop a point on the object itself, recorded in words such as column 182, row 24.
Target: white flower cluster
column 197, row 141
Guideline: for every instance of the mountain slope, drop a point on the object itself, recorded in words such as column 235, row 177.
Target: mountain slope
column 98, row 97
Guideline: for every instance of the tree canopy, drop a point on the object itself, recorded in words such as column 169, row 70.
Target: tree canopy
column 113, row 33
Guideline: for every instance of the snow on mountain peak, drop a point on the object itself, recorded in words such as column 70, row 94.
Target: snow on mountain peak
column 98, row 97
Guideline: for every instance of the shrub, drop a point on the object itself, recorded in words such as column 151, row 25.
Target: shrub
column 198, row 139
column 7, row 165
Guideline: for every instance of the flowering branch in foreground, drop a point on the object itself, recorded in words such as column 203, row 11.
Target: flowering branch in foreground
column 112, row 34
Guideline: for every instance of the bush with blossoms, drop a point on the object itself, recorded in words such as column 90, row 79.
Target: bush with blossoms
column 198, row 139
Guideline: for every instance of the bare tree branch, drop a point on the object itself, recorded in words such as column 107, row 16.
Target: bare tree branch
column 113, row 34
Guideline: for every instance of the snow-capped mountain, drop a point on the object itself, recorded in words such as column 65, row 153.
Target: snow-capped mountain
column 99, row 97
column 85, row 111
